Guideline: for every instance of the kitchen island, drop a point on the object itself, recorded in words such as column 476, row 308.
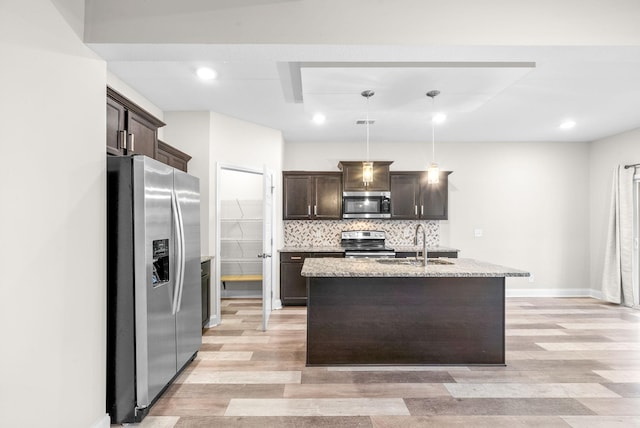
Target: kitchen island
column 395, row 312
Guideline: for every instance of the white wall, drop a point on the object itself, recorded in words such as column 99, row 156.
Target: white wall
column 605, row 154
column 530, row 200
column 212, row 138
column 73, row 13
column 239, row 143
column 190, row 133
column 52, row 225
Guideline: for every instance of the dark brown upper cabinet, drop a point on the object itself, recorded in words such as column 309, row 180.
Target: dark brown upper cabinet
column 405, row 195
column 116, row 130
column 312, row 195
column 412, row 197
column 142, row 135
column 133, row 130
column 172, row 156
column 130, row 128
column 352, row 176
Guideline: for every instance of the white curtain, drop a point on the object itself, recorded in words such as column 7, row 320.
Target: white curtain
column 617, row 277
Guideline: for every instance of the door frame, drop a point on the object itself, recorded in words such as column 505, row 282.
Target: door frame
column 216, row 313
column 636, row 240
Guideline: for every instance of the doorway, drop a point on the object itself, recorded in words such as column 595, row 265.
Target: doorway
column 244, row 231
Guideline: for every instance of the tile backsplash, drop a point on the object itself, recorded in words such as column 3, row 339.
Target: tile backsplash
column 326, row 233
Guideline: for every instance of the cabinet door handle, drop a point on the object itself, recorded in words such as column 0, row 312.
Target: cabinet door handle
column 415, row 209
column 421, row 209
column 296, row 258
column 308, row 209
column 315, row 210
column 123, row 139
column 133, row 142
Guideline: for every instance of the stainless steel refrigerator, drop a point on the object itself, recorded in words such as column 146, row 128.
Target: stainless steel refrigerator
column 154, row 314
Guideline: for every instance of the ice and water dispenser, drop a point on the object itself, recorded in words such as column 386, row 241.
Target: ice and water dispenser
column 160, row 274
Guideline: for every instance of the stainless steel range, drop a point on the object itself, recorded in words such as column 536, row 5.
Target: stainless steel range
column 366, row 243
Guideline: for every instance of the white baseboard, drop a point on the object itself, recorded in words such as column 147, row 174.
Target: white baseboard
column 213, row 321
column 553, row 292
column 103, row 422
column 596, row 294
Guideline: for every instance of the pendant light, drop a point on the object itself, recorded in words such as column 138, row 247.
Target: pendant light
column 367, row 166
column 433, row 172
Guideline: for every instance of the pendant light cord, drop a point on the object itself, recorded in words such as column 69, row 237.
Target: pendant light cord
column 433, row 94
column 367, row 128
column 433, row 129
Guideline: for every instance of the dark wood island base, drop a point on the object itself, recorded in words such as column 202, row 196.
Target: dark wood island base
column 405, row 321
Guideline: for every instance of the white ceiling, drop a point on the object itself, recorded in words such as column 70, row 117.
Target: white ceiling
column 516, row 93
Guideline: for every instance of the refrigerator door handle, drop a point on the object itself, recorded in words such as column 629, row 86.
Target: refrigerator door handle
column 177, row 224
column 182, row 245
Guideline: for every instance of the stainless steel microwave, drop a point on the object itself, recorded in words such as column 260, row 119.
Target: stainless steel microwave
column 366, row 205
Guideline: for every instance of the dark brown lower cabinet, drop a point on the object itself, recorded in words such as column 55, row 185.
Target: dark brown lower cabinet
column 205, row 281
column 405, row 321
column 293, row 286
column 431, row 255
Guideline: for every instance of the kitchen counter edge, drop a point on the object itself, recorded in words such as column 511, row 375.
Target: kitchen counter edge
column 398, row 249
column 331, row 267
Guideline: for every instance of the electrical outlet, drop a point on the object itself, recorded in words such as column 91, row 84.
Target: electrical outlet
column 477, row 233
column 532, row 278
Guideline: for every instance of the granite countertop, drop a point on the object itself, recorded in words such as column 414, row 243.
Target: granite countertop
column 205, row 258
column 334, row 267
column 414, row 248
column 312, row 249
column 339, row 249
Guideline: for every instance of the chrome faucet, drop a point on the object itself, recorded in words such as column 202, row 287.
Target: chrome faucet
column 424, row 243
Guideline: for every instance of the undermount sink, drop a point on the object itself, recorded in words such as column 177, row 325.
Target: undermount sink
column 410, row 262
column 413, row 262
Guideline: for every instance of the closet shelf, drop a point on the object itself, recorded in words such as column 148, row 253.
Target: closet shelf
column 245, row 260
column 240, row 242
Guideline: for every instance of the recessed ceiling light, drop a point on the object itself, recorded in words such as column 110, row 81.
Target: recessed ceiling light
column 319, row 118
column 439, row 117
column 206, row 73
column 567, row 124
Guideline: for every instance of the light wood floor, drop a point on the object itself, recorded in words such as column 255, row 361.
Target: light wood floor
column 570, row 363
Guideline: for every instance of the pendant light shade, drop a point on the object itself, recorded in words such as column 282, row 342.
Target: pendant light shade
column 367, row 172
column 433, row 172
column 367, row 166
